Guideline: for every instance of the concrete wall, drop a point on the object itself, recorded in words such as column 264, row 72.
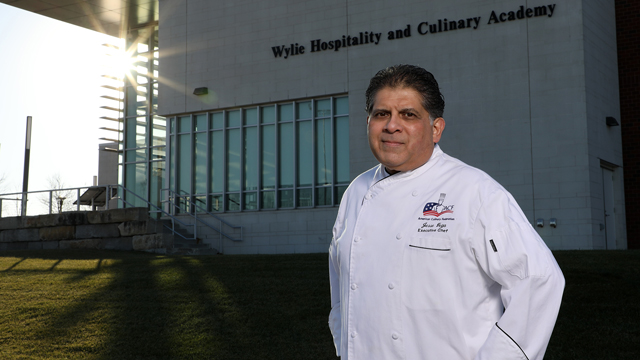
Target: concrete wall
column 525, row 98
column 271, row 232
column 117, row 229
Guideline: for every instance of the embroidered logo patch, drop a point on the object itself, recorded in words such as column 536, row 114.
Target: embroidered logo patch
column 437, row 208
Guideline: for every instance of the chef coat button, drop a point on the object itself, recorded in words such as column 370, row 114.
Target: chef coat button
column 354, row 286
column 357, row 239
column 415, row 193
column 394, row 336
column 391, row 286
column 369, row 196
column 354, row 334
column 399, row 236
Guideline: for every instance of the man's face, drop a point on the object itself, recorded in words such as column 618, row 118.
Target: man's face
column 401, row 136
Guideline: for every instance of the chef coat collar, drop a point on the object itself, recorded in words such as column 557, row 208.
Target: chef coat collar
column 381, row 172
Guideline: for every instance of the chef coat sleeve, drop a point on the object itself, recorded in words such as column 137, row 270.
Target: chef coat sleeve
column 511, row 252
column 335, row 318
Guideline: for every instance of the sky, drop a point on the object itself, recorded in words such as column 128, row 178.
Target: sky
column 50, row 70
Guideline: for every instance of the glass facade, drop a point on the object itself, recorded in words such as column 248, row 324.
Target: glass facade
column 143, row 151
column 284, row 155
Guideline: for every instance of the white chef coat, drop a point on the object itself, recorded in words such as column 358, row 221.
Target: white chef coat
column 439, row 263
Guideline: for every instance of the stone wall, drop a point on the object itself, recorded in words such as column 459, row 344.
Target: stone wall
column 117, row 229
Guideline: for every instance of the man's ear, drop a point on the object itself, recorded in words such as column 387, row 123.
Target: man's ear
column 438, row 128
column 368, row 119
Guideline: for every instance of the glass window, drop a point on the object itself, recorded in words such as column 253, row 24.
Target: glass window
column 184, row 164
column 200, row 163
column 217, row 161
column 159, row 131
column 323, row 108
column 250, row 158
column 286, row 155
column 234, row 144
column 268, row 200
column 184, row 124
column 251, row 116
column 303, row 110
column 201, row 122
column 304, row 198
column 156, row 176
column 285, row 199
column 233, row 202
column 267, row 115
column 286, row 151
column 285, row 112
column 217, row 121
column 136, row 183
column 268, row 157
column 341, row 106
column 305, row 158
column 233, row 118
column 323, row 152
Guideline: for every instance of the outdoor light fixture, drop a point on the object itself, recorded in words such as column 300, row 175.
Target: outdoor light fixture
column 553, row 222
column 611, row 121
column 540, row 222
column 201, row 91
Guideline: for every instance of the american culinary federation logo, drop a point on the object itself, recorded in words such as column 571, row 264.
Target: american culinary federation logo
column 437, row 209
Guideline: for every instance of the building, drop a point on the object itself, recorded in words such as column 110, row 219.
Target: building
column 254, row 110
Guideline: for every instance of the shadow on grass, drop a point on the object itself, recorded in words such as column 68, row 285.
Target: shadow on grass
column 162, row 307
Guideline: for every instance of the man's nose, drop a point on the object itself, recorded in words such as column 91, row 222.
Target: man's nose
column 393, row 124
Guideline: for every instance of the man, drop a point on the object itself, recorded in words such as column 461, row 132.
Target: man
column 432, row 259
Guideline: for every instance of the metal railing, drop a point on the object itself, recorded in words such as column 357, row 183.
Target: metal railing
column 101, row 196
column 174, row 202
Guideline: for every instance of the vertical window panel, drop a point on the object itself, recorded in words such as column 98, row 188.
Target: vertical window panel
column 268, row 200
column 286, row 151
column 234, row 144
column 323, row 108
column 156, row 176
column 200, row 163
column 201, row 122
column 251, row 116
column 233, row 202
column 324, row 152
column 159, row 131
column 285, row 112
column 215, row 203
column 268, row 157
column 217, row 161
column 250, row 158
column 217, row 121
column 303, row 110
column 233, row 118
column 250, row 201
column 136, row 183
column 285, row 199
column 184, row 124
column 305, row 154
column 184, row 164
column 268, row 115
column 341, row 106
column 304, row 198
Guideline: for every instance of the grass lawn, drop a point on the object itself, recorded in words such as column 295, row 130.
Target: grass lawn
column 121, row 305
